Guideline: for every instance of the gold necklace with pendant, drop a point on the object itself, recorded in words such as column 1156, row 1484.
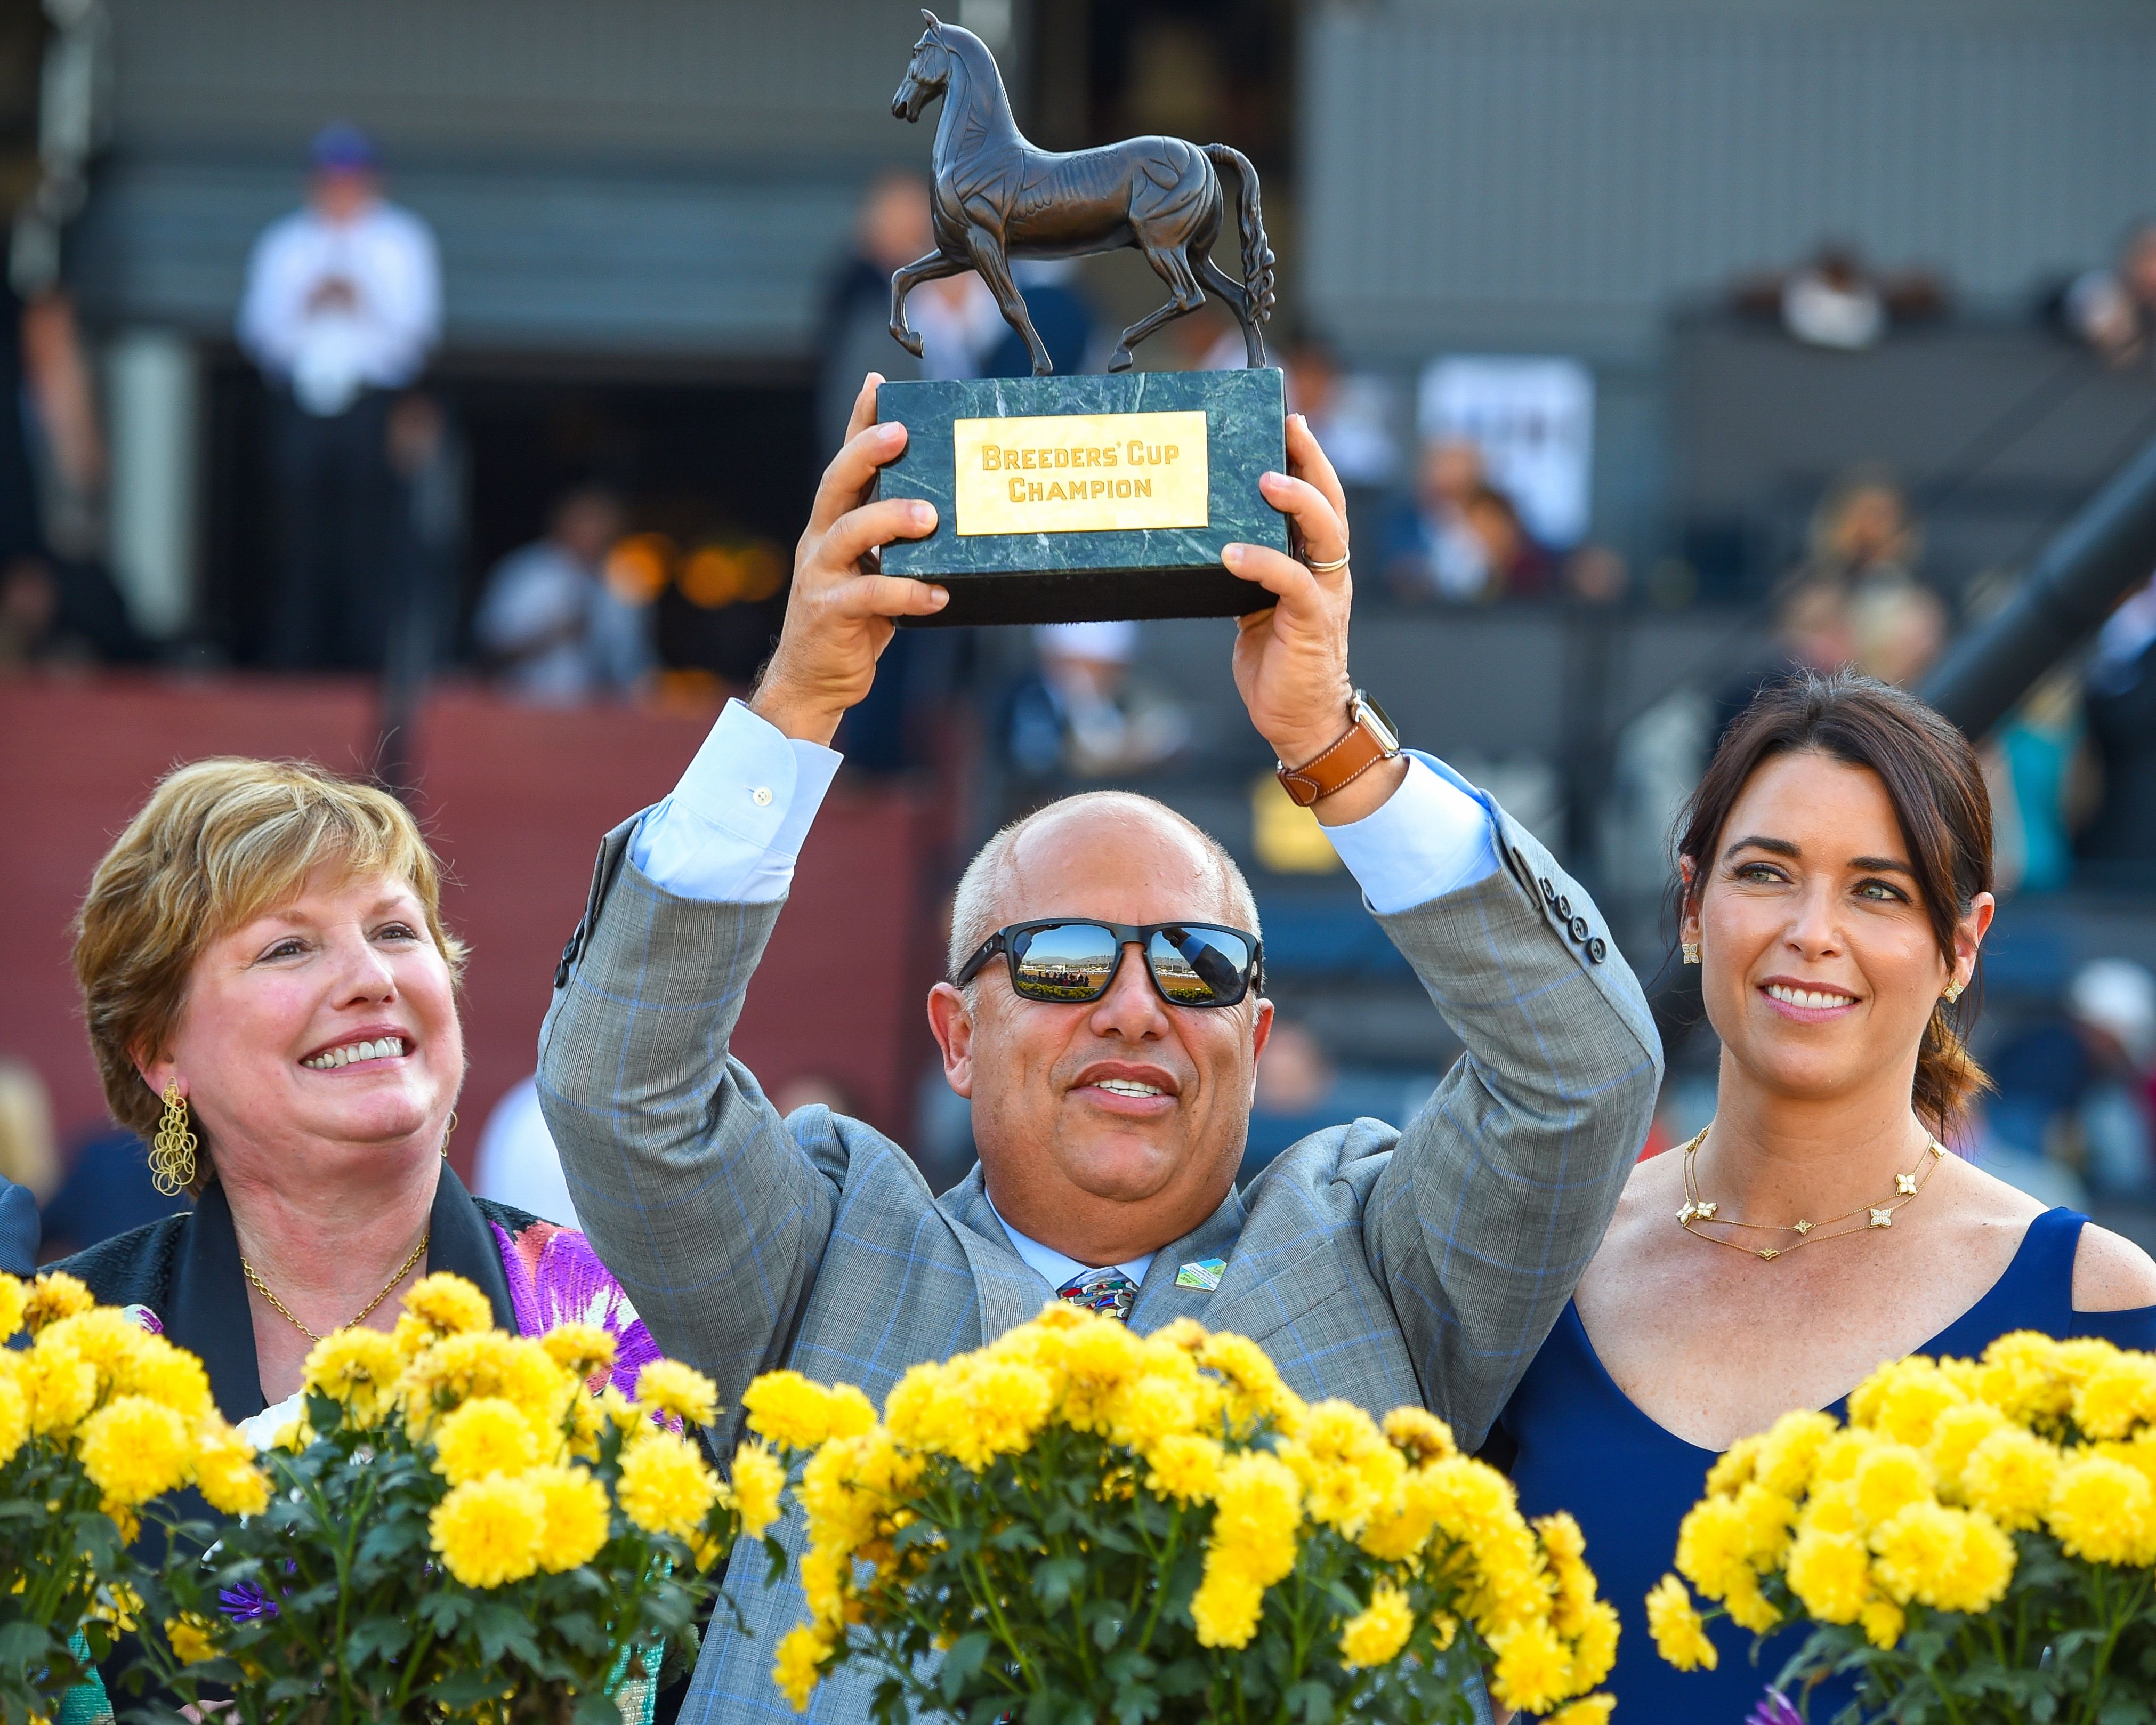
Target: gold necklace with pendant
column 1698, row 1209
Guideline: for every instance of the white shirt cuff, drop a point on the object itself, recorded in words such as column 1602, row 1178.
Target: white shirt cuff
column 730, row 830
column 1428, row 839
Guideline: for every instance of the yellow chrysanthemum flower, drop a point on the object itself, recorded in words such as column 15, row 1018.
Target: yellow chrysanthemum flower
column 1533, row 1672
column 2101, row 1511
column 1680, row 1632
column 1184, row 1467
column 1402, row 1527
column 2009, row 1475
column 134, row 1449
column 1595, row 1653
column 1151, row 1407
column 1588, row 1709
column 1786, row 1452
column 1378, row 1632
column 1714, row 1546
column 1889, row 1479
column 1910, row 1396
column 2118, row 1394
column 190, row 1637
column 1747, row 1607
column 1419, row 1434
column 1883, row 1622
column 474, row 1363
column 1226, row 1607
column 666, row 1485
column 825, row 1571
column 757, row 1479
column 14, row 1301
column 449, row 1304
column 680, row 1390
column 1916, row 1547
column 53, row 1295
column 577, row 1517
column 226, row 1474
column 14, row 1417
column 488, row 1434
column 171, row 1375
column 1831, row 1572
column 582, row 1350
column 488, row 1531
column 1734, row 1467
column 1958, row 1431
column 1257, row 1392
column 358, row 1368
column 790, row 1410
column 60, row 1386
column 2023, row 1377
column 799, row 1665
column 1982, row 1566
column 1255, row 1515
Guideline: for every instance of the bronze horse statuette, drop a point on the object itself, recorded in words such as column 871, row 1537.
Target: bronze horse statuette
column 997, row 197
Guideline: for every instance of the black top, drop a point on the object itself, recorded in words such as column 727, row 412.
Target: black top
column 185, row 1269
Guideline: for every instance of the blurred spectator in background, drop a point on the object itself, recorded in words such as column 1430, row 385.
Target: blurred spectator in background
column 29, row 1156
column 1835, row 299
column 1349, row 415
column 1811, row 632
column 342, row 305
column 1061, row 317
column 1895, row 630
column 1297, row 1083
column 106, row 1191
column 517, row 1162
column 58, row 601
column 2119, row 707
column 550, row 622
column 854, row 339
column 1434, row 547
column 2073, row 1088
column 2035, row 787
column 2114, row 309
column 1862, row 533
column 1081, row 712
column 1596, row 575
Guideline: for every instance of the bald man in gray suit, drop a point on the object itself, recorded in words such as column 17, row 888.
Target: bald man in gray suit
column 1104, row 1013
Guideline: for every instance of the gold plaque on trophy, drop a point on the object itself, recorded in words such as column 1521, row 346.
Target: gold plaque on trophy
column 1081, row 473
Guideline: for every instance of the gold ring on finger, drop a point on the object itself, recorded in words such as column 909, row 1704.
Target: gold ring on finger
column 1327, row 568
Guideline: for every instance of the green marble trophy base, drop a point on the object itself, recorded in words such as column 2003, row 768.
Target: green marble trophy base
column 1089, row 574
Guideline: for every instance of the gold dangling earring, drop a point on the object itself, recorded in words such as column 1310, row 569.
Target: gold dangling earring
column 1690, row 950
column 449, row 1132
column 172, row 1152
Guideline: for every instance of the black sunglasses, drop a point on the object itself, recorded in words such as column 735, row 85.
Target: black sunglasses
column 1071, row 962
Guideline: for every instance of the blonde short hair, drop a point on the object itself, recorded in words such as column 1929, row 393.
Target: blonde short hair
column 218, row 843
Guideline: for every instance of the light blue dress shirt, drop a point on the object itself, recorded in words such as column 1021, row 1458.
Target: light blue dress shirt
column 730, row 830
column 1055, row 1268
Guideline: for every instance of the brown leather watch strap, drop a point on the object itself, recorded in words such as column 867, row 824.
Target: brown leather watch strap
column 1347, row 761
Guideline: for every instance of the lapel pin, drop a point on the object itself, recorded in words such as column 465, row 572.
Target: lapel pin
column 1205, row 1273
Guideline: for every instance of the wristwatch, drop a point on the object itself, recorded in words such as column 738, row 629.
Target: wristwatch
column 1371, row 737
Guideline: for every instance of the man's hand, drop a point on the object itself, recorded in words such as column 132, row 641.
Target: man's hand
column 838, row 614
column 1291, row 659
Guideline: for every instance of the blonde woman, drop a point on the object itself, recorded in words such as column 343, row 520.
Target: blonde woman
column 272, row 998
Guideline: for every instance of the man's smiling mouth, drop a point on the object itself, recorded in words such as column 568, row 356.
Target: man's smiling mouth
column 1128, row 1087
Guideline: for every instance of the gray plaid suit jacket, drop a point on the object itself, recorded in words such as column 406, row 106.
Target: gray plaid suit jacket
column 1387, row 1267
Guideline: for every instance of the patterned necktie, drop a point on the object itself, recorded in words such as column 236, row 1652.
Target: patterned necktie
column 1108, row 1292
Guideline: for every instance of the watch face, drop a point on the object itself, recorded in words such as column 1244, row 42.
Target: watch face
column 1369, row 713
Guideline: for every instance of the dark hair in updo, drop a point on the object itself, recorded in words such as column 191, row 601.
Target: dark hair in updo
column 1936, row 788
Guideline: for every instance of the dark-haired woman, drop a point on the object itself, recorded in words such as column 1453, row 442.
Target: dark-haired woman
column 1835, row 889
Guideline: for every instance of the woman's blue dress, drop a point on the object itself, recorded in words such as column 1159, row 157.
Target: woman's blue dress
column 1579, row 1443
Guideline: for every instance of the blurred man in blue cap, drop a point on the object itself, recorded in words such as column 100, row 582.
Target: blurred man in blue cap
column 343, row 305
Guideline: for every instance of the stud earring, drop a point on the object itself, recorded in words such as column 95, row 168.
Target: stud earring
column 1953, row 992
column 172, row 1151
column 1690, row 950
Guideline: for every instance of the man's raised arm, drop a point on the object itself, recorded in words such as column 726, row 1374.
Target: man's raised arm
column 1500, row 1190
column 685, row 1178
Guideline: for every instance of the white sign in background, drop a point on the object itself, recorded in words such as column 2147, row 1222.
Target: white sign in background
column 1533, row 420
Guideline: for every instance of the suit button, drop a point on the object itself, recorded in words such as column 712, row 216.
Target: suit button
column 1597, row 949
column 1579, row 928
column 1549, row 892
column 1564, row 907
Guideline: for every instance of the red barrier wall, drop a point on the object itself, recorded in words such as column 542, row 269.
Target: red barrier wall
column 514, row 800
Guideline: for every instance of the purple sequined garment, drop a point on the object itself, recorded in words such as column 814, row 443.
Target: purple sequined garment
column 556, row 1278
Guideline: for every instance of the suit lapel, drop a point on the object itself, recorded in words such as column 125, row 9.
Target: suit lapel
column 1009, row 1292
column 1161, row 1300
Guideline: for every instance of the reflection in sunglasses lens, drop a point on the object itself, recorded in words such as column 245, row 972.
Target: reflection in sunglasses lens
column 1199, row 966
column 1072, row 961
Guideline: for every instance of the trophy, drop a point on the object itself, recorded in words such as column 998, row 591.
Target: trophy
column 1072, row 500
